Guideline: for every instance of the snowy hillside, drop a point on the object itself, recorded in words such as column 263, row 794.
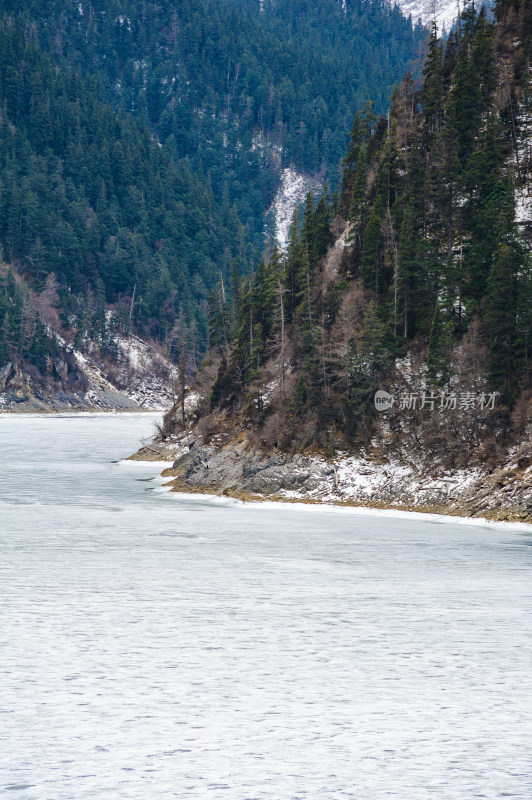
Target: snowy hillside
column 291, row 193
column 140, row 372
column 445, row 11
column 138, row 376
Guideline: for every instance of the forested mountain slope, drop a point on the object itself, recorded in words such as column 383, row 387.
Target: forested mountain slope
column 141, row 144
column 425, row 293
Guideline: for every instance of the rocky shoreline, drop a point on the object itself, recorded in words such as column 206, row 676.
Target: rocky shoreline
column 239, row 469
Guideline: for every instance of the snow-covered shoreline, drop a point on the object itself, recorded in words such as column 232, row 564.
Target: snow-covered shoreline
column 237, row 471
column 79, row 411
column 313, row 506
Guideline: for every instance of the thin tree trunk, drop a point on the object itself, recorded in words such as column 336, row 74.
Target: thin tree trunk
column 131, row 308
column 281, row 355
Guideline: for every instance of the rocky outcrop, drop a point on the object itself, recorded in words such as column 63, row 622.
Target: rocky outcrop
column 139, row 377
column 240, row 469
column 21, row 392
column 237, row 468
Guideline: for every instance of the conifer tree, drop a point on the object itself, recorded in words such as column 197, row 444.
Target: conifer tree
column 367, row 361
column 322, row 224
column 293, row 264
column 501, row 321
column 407, row 272
column 235, row 288
column 370, row 262
column 358, row 204
column 432, row 95
column 350, row 160
column 309, row 232
column 440, row 343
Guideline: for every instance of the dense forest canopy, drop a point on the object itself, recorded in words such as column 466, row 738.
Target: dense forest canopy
column 140, row 144
column 431, row 262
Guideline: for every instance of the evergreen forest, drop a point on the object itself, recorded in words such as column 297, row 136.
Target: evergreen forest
column 141, row 144
column 418, row 263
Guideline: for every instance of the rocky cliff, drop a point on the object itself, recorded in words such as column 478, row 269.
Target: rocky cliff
column 135, row 375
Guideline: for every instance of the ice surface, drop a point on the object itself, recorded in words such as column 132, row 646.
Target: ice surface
column 156, row 646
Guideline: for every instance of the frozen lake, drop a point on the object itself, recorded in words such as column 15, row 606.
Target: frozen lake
column 153, row 647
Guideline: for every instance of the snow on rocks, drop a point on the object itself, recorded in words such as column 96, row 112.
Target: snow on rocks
column 239, row 469
column 138, row 376
column 143, row 379
column 147, row 376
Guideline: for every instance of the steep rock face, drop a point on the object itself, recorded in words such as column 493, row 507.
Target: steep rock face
column 137, row 377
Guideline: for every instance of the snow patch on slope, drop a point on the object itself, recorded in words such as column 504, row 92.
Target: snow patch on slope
column 291, row 193
column 293, row 188
column 523, row 205
column 444, row 11
column 523, row 167
column 143, row 377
